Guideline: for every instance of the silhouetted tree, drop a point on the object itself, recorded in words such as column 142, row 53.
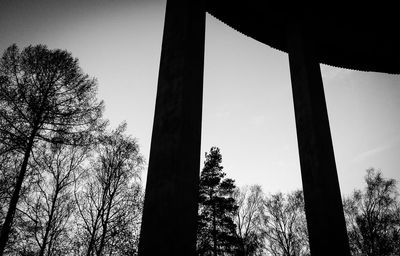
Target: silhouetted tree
column 8, row 165
column 217, row 208
column 373, row 217
column 125, row 231
column 109, row 201
column 44, row 214
column 44, row 95
column 248, row 220
column 284, row 225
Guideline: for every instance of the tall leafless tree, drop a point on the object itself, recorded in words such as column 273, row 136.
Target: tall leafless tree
column 248, row 220
column 8, row 164
column 46, row 211
column 284, row 225
column 109, row 201
column 373, row 217
column 44, row 96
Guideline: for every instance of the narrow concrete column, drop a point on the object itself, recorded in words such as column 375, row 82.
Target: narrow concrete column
column 323, row 204
column 169, row 220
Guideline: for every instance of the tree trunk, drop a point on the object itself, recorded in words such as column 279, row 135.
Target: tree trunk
column 91, row 243
column 104, row 224
column 5, row 230
column 48, row 226
column 103, row 236
column 100, row 212
column 92, row 237
column 50, row 244
column 214, row 231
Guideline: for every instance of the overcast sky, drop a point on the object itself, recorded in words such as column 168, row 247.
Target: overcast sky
column 248, row 107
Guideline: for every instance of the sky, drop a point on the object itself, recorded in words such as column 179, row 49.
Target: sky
column 247, row 102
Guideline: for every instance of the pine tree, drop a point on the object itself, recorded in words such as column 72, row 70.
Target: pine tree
column 216, row 228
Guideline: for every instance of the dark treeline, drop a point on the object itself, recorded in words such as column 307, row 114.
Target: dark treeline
column 246, row 221
column 70, row 185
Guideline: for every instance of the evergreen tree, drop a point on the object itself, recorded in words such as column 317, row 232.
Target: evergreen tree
column 217, row 207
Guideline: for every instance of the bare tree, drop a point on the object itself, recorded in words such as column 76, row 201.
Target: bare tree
column 108, row 201
column 284, row 225
column 248, row 220
column 125, row 230
column 44, row 95
column 8, row 165
column 373, row 217
column 45, row 213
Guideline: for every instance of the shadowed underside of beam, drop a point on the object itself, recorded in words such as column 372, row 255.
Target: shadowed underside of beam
column 354, row 37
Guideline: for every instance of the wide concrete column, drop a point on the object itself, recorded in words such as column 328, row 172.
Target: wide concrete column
column 169, row 220
column 323, row 204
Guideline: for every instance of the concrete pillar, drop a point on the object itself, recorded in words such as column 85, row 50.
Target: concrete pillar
column 169, row 220
column 323, row 204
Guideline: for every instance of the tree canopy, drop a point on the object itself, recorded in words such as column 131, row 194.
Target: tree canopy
column 44, row 96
